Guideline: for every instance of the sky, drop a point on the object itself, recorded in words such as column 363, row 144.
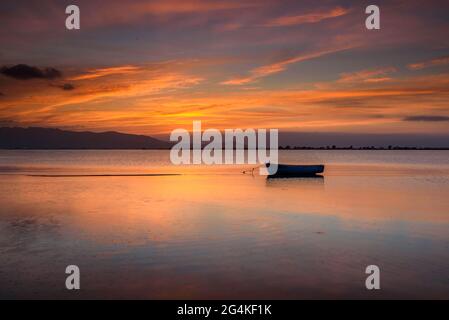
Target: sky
column 149, row 67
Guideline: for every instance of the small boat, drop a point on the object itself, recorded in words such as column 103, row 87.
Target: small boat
column 289, row 170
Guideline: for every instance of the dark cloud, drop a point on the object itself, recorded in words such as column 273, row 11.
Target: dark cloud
column 1, row 94
column 26, row 72
column 427, row 118
column 67, row 86
column 4, row 122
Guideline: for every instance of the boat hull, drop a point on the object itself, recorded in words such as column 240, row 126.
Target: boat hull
column 298, row 170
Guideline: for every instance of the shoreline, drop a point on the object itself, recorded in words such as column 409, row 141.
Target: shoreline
column 280, row 149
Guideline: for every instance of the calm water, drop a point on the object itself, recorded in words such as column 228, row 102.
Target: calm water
column 216, row 233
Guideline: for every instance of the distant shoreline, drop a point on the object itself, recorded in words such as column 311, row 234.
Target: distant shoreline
column 280, row 149
column 35, row 138
column 362, row 148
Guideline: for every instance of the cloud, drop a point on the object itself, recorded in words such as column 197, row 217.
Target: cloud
column 143, row 85
column 313, row 17
column 426, row 118
column 189, row 6
column 64, row 86
column 277, row 67
column 441, row 61
column 367, row 76
column 4, row 122
column 167, row 11
column 158, row 103
column 67, row 86
column 26, row 72
column 103, row 72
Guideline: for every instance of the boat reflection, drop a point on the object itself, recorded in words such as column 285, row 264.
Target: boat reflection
column 283, row 181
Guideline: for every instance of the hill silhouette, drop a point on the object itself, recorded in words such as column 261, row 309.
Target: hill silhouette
column 46, row 138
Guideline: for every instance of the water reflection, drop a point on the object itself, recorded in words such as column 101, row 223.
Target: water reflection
column 225, row 235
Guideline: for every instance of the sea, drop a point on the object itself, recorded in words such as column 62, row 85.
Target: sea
column 138, row 227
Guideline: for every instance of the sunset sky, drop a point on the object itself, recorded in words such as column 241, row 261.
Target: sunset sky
column 149, row 67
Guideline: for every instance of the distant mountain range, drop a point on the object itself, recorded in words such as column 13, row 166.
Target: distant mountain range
column 45, row 138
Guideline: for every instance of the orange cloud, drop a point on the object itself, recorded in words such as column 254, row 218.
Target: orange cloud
column 137, row 11
column 101, row 87
column 97, row 73
column 267, row 70
column 430, row 63
column 187, row 6
column 135, row 88
column 353, row 108
column 153, row 100
column 313, row 17
column 369, row 76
